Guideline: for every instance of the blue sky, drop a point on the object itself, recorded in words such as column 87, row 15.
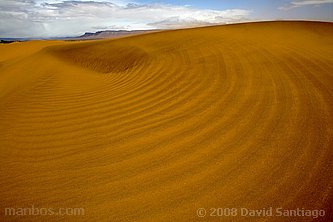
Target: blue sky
column 51, row 18
column 264, row 9
column 247, row 4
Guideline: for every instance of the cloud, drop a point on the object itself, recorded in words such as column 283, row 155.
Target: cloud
column 200, row 18
column 300, row 3
column 47, row 18
column 177, row 22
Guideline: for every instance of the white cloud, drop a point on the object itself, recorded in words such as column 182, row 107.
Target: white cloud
column 45, row 18
column 201, row 18
column 300, row 3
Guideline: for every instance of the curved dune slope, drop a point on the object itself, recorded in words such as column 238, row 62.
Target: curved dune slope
column 102, row 57
column 153, row 127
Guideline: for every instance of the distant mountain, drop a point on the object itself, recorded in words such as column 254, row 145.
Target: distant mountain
column 86, row 36
column 6, row 41
column 111, row 34
column 10, row 40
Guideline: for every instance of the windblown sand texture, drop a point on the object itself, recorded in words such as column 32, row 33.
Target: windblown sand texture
column 153, row 127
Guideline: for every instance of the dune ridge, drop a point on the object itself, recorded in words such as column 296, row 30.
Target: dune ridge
column 153, row 127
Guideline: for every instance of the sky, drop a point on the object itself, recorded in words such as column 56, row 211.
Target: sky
column 60, row 18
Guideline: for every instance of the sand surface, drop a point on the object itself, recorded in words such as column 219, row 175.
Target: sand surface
column 155, row 126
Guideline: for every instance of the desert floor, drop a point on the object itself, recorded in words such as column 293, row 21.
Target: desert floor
column 153, row 127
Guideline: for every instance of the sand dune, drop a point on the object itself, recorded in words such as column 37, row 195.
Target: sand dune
column 155, row 126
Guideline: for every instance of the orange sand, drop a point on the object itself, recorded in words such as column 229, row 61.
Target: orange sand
column 155, row 126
